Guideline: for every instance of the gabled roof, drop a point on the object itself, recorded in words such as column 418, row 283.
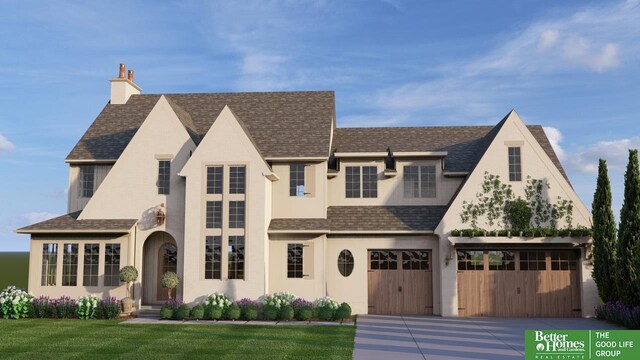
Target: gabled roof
column 69, row 223
column 283, row 124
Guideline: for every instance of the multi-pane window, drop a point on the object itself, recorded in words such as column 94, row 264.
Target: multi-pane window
column 236, row 257
column 236, row 214
column 49, row 264
column 164, row 173
column 86, row 180
column 501, row 260
column 515, row 167
column 213, row 257
column 112, row 265
column 91, row 258
column 533, row 260
column 345, row 262
column 237, row 179
column 419, row 181
column 470, row 260
column 296, row 179
column 214, row 179
column 214, row 215
column 383, row 260
column 369, row 182
column 70, row 265
column 415, row 260
column 563, row 260
column 352, row 182
column 294, row 260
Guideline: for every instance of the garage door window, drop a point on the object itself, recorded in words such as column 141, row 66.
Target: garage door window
column 415, row 260
column 470, row 260
column 564, row 260
column 384, row 260
column 532, row 260
column 502, row 260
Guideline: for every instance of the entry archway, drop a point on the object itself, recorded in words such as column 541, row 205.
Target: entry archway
column 160, row 254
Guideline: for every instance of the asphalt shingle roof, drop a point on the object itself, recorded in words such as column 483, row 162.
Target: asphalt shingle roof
column 70, row 222
column 384, row 218
column 312, row 224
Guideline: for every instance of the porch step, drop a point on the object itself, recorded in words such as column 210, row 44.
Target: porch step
column 149, row 312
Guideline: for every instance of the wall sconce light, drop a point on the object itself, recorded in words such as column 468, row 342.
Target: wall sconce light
column 160, row 215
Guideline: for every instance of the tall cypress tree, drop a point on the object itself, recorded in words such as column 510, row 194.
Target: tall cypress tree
column 629, row 235
column 604, row 237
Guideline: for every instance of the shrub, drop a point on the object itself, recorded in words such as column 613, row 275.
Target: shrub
column 270, row 312
column 170, row 281
column 212, row 312
column 197, row 312
column 166, row 312
column 65, row 307
column 249, row 312
column 299, row 304
column 326, row 313
column 304, row 313
column 278, row 299
column 232, row 312
column 128, row 274
column 455, row 232
column 218, row 299
column 42, row 307
column 503, row 232
column 88, row 307
column 326, row 308
column 15, row 303
column 343, row 311
column 109, row 308
column 467, row 232
column 517, row 213
column 181, row 312
column 527, row 232
column 286, row 313
column 619, row 313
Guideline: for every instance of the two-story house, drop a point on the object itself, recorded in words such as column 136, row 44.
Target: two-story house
column 254, row 193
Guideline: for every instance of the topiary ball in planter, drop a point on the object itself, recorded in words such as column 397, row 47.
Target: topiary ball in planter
column 166, row 313
column 270, row 312
column 249, row 312
column 212, row 313
column 287, row 313
column 170, row 280
column 182, row 312
column 232, row 312
column 344, row 311
column 305, row 313
column 197, row 312
column 326, row 313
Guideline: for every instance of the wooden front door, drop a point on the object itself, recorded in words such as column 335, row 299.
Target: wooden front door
column 167, row 261
column 525, row 283
column 400, row 282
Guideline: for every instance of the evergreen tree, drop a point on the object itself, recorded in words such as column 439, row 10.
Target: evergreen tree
column 604, row 237
column 629, row 235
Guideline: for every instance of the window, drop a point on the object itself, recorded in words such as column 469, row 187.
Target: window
column 532, row 260
column 383, row 260
column 70, row 265
column 470, row 260
column 91, row 257
column 164, row 172
column 237, row 179
column 502, row 260
column 296, row 180
column 112, row 265
column 294, row 260
column 49, row 264
column 564, row 260
column 369, row 182
column 415, row 260
column 345, row 263
column 419, row 181
column 236, row 214
column 213, row 257
column 352, row 184
column 214, row 180
column 515, row 168
column 236, row 257
column 214, row 215
column 87, row 176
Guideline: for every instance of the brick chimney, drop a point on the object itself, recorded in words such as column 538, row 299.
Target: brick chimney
column 122, row 88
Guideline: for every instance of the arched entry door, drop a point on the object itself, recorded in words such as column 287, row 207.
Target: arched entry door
column 160, row 254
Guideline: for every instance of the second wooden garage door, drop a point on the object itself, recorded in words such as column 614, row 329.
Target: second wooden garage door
column 518, row 283
column 400, row 282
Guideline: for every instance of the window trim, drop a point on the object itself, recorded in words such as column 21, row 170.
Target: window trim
column 83, row 172
column 419, row 192
column 516, row 174
column 297, row 181
column 355, row 184
column 164, row 177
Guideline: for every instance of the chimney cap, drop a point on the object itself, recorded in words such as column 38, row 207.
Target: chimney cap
column 130, row 75
column 121, row 72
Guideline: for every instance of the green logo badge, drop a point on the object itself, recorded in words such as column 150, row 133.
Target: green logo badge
column 582, row 344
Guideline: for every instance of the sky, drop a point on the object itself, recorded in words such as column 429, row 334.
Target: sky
column 571, row 66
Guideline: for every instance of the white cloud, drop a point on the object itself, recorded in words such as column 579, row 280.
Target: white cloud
column 36, row 217
column 579, row 50
column 555, row 138
column 5, row 145
column 548, row 38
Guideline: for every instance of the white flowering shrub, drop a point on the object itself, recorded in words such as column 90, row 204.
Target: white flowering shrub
column 218, row 300
column 15, row 303
column 326, row 308
column 88, row 307
column 278, row 299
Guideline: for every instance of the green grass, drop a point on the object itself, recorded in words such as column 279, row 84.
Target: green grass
column 14, row 269
column 78, row 339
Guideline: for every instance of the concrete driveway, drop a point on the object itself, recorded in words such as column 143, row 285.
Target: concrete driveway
column 432, row 337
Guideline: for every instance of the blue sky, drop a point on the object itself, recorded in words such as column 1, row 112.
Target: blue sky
column 572, row 66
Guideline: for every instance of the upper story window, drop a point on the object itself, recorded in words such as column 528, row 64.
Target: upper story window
column 365, row 186
column 213, row 215
column 164, row 172
column 237, row 179
column 214, row 179
column 236, row 214
column 515, row 167
column 87, row 180
column 419, row 181
column 296, row 180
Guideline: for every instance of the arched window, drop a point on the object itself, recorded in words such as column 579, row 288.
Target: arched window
column 345, row 263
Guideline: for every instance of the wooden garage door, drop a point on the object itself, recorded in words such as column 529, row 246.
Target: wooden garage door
column 400, row 282
column 539, row 283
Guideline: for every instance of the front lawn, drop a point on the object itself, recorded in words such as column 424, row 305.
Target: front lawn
column 44, row 339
